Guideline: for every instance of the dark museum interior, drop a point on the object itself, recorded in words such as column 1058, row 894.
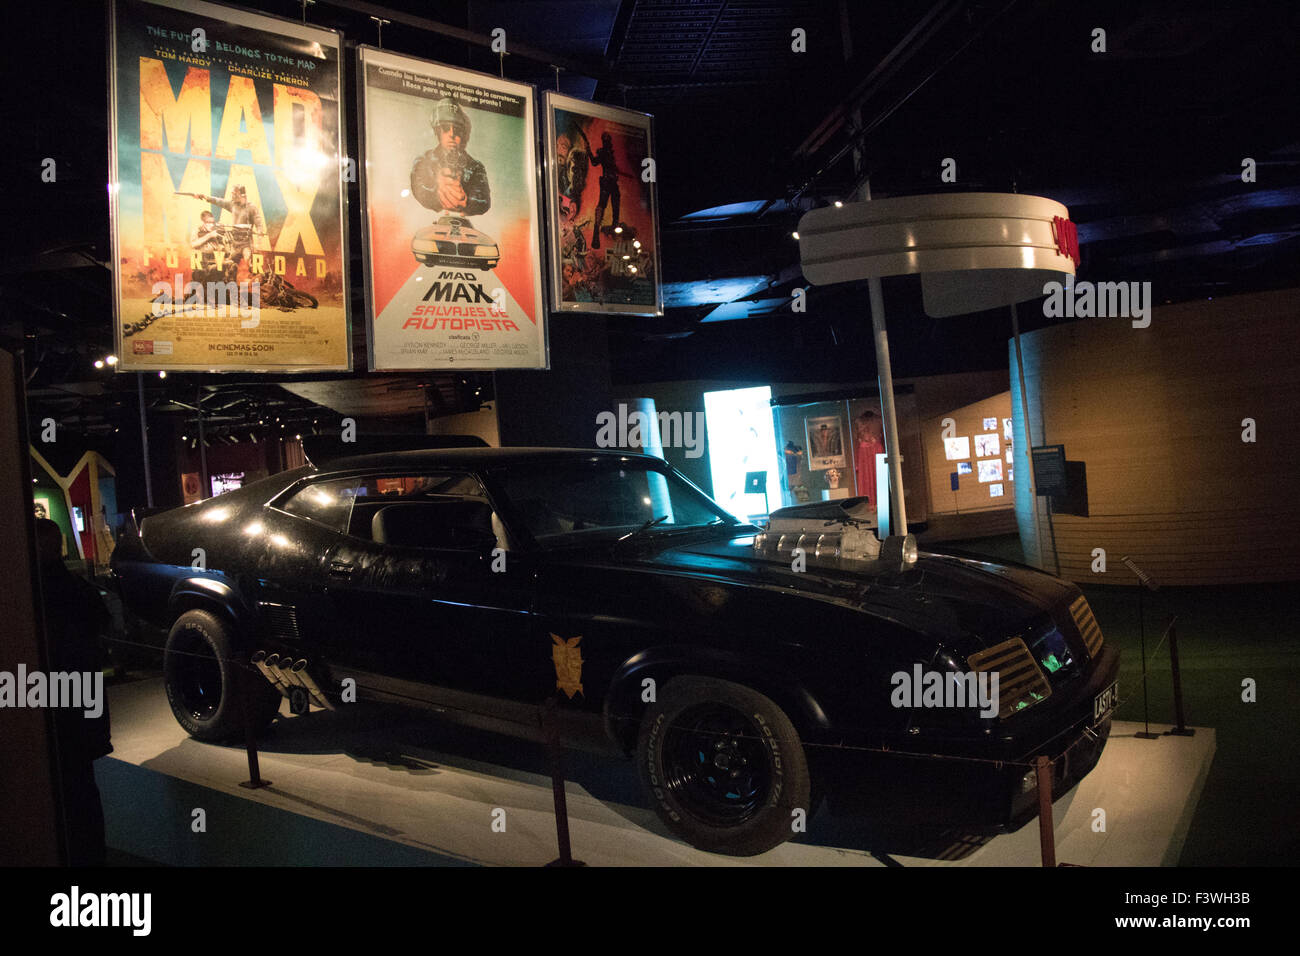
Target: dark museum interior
column 640, row 385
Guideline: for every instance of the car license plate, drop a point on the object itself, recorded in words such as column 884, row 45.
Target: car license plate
column 1105, row 702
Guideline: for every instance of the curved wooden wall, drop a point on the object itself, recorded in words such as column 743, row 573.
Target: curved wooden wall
column 1156, row 414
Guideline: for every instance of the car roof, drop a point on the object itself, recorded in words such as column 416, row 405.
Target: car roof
column 476, row 458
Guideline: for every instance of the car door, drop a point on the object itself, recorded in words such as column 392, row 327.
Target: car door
column 288, row 543
column 414, row 590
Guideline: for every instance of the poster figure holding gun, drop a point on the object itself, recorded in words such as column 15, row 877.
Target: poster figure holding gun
column 446, row 178
column 243, row 213
column 609, row 191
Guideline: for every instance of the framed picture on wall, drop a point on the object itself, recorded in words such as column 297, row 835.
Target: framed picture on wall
column 825, row 436
column 986, row 445
column 990, row 470
column 42, row 507
column 955, row 449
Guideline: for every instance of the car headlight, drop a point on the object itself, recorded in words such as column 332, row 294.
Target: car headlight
column 486, row 252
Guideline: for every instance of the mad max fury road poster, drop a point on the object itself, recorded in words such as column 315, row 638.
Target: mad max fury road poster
column 226, row 197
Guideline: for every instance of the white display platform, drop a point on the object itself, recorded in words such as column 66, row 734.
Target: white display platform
column 401, row 784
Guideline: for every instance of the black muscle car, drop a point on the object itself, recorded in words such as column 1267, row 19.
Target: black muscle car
column 746, row 670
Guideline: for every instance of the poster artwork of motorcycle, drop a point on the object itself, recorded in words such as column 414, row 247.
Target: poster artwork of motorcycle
column 452, row 229
column 604, row 219
column 226, row 193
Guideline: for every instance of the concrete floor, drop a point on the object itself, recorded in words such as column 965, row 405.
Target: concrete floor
column 371, row 787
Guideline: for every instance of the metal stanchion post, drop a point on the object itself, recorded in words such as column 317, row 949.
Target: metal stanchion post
column 1144, row 582
column 1180, row 729
column 254, row 781
column 1046, row 825
column 555, row 751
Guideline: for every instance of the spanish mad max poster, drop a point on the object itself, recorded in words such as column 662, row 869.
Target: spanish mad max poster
column 451, row 215
column 227, row 191
column 604, row 227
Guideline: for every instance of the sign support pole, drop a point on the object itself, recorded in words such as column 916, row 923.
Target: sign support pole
column 885, row 379
column 144, row 440
column 1029, row 441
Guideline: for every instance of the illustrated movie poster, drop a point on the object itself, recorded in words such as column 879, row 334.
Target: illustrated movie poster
column 454, row 276
column 227, row 198
column 604, row 222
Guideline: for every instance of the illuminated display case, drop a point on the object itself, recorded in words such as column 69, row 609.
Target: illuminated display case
column 827, row 444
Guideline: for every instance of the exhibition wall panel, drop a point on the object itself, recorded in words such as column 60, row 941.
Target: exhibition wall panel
column 977, row 449
column 1161, row 418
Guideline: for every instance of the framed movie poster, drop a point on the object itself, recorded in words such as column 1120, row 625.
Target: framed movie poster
column 451, row 215
column 226, row 190
column 825, row 436
column 604, row 217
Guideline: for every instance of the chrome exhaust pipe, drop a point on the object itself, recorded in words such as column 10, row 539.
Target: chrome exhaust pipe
column 282, row 667
column 300, row 674
column 265, row 665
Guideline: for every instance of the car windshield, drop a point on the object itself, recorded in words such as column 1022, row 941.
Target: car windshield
column 604, row 498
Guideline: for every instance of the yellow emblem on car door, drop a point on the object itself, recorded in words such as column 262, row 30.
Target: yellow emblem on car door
column 568, row 664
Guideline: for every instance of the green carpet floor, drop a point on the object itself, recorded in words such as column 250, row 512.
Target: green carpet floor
column 1226, row 634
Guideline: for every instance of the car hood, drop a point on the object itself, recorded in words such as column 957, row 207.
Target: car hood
column 940, row 594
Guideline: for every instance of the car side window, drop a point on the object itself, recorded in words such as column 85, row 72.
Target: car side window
column 427, row 510
column 325, row 502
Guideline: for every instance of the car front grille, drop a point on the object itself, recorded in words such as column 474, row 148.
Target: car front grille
column 446, row 248
column 1089, row 630
column 465, row 248
column 1021, row 682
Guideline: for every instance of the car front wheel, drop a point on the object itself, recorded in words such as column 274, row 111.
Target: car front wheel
column 724, row 766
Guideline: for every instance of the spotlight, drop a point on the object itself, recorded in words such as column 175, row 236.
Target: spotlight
column 838, row 204
column 618, row 230
column 99, row 363
column 111, row 360
column 162, row 374
column 795, row 233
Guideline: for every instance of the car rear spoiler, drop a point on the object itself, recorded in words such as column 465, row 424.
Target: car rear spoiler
column 320, row 450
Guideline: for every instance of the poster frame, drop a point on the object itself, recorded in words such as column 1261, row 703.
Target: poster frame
column 552, row 101
column 255, row 20
column 538, row 251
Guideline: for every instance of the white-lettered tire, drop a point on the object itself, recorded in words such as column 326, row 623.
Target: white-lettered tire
column 203, row 681
column 724, row 766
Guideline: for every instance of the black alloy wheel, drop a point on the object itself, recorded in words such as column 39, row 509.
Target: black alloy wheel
column 716, row 764
column 724, row 766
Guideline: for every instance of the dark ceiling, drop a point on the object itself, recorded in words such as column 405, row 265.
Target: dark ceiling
column 1144, row 143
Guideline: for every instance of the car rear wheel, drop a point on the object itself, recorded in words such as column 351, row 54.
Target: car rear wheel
column 203, row 681
column 724, row 766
